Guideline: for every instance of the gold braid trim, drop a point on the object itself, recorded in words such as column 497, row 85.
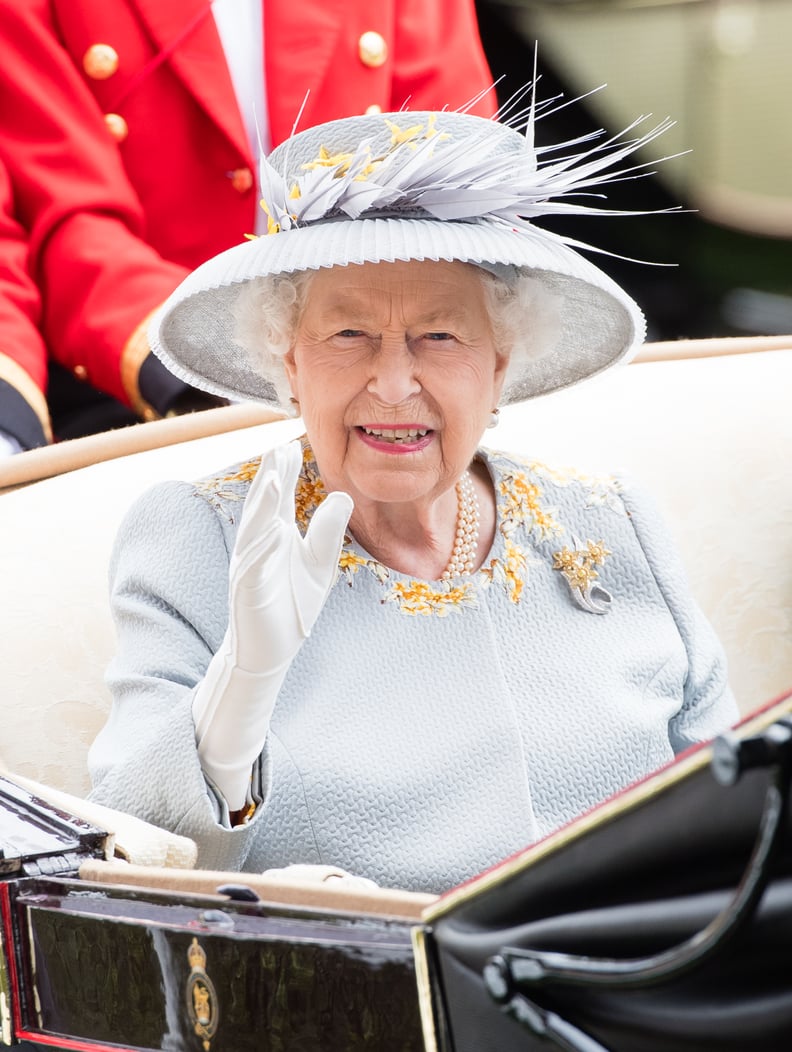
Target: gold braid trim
column 135, row 352
column 21, row 379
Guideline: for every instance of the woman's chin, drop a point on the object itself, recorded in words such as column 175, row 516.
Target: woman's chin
column 382, row 491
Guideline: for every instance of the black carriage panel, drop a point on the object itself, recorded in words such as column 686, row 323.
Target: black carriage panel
column 148, row 970
column 661, row 920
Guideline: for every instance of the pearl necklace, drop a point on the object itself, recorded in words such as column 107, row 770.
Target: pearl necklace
column 463, row 555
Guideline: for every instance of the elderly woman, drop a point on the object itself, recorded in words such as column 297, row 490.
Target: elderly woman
column 384, row 647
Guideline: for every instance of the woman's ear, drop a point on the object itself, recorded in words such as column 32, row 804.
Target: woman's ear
column 290, row 368
column 499, row 379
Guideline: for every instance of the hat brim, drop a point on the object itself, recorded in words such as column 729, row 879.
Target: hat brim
column 193, row 332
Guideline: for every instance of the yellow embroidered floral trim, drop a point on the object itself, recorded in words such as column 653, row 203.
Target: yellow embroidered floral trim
column 521, row 506
column 310, row 490
column 510, row 573
column 215, row 490
column 245, row 472
column 419, row 597
column 602, row 489
column 348, row 562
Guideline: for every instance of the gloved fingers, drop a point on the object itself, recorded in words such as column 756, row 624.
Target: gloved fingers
column 261, row 506
column 269, row 499
column 315, row 562
column 325, row 534
column 287, row 461
column 246, row 564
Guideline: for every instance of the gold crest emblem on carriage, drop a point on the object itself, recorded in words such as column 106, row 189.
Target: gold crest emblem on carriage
column 201, row 997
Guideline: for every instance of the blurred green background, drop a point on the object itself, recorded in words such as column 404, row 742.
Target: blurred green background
column 721, row 69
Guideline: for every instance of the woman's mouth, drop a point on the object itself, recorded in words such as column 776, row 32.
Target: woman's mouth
column 397, row 434
column 408, row 439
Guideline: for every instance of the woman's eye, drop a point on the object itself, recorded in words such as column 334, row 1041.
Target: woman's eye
column 438, row 336
column 350, row 333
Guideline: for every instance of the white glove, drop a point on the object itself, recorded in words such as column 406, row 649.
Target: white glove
column 306, row 873
column 8, row 445
column 278, row 583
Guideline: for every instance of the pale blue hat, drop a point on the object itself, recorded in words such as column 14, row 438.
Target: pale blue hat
column 413, row 186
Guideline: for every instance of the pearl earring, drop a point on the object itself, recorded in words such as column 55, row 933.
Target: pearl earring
column 493, row 420
column 293, row 409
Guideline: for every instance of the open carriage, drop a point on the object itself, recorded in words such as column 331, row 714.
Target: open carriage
column 622, row 931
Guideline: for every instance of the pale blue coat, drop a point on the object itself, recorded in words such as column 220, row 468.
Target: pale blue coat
column 424, row 731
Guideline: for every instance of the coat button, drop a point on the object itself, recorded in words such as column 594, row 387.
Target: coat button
column 373, row 109
column 241, row 180
column 100, row 61
column 117, row 126
column 372, row 49
column 81, row 372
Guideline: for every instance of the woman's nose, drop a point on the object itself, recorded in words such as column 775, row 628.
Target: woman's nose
column 393, row 375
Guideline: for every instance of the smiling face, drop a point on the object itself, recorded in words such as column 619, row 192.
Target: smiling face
column 396, row 373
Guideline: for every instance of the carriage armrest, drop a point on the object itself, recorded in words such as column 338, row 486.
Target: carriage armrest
column 63, row 457
column 381, row 902
column 131, row 839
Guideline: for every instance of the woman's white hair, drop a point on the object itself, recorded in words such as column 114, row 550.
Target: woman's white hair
column 524, row 313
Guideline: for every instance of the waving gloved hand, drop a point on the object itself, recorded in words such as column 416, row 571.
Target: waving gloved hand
column 278, row 583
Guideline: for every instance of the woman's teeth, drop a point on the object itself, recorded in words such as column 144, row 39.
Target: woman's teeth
column 396, row 434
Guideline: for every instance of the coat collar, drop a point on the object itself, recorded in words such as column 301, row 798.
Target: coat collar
column 197, row 59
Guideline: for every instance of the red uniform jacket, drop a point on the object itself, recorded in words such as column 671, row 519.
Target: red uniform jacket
column 130, row 172
column 23, row 355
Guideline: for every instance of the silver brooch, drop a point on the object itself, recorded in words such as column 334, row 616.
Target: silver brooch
column 579, row 565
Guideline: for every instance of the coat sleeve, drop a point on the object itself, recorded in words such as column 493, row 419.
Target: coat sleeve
column 98, row 275
column 169, row 595
column 23, row 355
column 708, row 706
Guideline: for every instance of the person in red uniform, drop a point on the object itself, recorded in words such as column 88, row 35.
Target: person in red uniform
column 131, row 129
column 24, row 419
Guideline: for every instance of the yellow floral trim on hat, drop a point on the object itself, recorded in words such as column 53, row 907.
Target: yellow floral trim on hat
column 354, row 167
column 339, row 161
column 273, row 227
column 416, row 132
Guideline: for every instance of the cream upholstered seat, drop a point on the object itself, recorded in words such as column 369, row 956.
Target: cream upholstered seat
column 709, row 437
column 57, row 635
